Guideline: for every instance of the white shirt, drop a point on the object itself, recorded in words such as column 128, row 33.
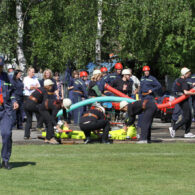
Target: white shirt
column 28, row 83
column 135, row 82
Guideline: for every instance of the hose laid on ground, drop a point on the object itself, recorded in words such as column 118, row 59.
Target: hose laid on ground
column 168, row 104
column 98, row 99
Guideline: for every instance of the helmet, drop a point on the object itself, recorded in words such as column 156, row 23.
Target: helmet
column 184, row 71
column 48, row 82
column 60, row 123
column 101, row 108
column 104, row 69
column 1, row 61
column 67, row 103
column 118, row 66
column 96, row 72
column 83, row 74
column 123, row 104
column 126, row 71
column 146, row 68
column 9, row 66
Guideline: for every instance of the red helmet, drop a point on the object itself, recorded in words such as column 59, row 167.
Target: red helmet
column 83, row 74
column 104, row 69
column 146, row 68
column 118, row 66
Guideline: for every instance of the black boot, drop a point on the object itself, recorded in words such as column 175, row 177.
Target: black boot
column 6, row 165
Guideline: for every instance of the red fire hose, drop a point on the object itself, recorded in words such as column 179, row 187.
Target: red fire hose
column 168, row 104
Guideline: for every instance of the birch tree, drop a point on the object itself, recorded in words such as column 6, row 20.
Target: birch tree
column 99, row 33
column 20, row 31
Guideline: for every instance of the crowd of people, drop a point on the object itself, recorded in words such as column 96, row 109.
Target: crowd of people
column 44, row 95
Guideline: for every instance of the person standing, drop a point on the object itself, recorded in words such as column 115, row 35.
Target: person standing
column 7, row 105
column 53, row 93
column 148, row 108
column 31, row 105
column 182, row 88
column 18, row 87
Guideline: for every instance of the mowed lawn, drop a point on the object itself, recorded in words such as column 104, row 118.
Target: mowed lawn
column 101, row 169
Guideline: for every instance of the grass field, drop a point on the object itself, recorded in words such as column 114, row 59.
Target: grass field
column 101, row 169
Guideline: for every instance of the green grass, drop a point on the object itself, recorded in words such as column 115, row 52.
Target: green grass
column 101, row 169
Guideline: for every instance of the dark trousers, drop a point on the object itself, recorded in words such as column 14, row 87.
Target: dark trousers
column 49, row 122
column 187, row 117
column 6, row 124
column 96, row 125
column 19, row 114
column 147, row 119
column 31, row 107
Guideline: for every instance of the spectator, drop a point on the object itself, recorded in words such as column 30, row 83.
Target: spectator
column 59, row 86
column 136, row 83
column 18, row 88
column 53, row 93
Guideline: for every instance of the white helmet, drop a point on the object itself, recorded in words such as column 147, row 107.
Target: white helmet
column 67, row 103
column 126, row 71
column 123, row 104
column 60, row 123
column 101, row 108
column 9, row 66
column 48, row 82
column 184, row 71
column 96, row 72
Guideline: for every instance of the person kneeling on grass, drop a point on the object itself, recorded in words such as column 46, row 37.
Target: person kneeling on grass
column 92, row 120
column 148, row 108
column 49, row 110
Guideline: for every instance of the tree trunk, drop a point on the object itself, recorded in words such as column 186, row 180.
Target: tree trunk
column 20, row 32
column 99, row 33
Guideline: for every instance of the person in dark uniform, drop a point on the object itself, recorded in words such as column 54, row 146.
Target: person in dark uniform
column 93, row 89
column 149, row 85
column 110, row 78
column 18, row 87
column 125, row 83
column 148, row 108
column 32, row 104
column 182, row 87
column 7, row 105
column 49, row 109
column 79, row 93
column 92, row 120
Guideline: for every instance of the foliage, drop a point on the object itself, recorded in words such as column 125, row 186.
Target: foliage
column 160, row 33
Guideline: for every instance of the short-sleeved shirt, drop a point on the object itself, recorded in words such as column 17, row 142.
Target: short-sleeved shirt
column 28, row 83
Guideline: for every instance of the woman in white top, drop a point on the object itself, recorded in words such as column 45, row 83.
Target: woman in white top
column 30, row 83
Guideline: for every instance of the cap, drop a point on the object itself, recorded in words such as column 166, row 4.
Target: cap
column 123, row 104
column 184, row 71
column 96, row 72
column 48, row 82
column 126, row 71
column 67, row 103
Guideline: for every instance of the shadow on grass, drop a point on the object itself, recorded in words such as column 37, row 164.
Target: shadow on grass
column 21, row 164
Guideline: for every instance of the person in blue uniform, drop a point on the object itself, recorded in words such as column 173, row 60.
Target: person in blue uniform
column 149, row 85
column 18, row 87
column 110, row 78
column 7, row 105
column 75, row 75
column 182, row 87
column 148, row 108
column 79, row 93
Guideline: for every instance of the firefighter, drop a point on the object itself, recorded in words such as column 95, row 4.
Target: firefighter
column 7, row 106
column 182, row 87
column 94, row 119
column 125, row 83
column 33, row 102
column 110, row 79
column 104, row 71
column 93, row 89
column 49, row 109
column 149, row 85
column 79, row 93
column 148, row 108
